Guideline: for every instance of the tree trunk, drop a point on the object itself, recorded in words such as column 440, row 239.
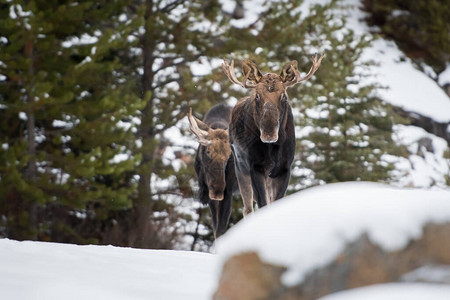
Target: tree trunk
column 141, row 236
column 31, row 173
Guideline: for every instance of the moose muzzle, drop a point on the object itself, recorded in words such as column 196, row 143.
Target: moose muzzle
column 269, row 124
column 216, row 188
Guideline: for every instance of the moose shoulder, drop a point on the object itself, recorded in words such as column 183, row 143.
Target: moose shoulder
column 262, row 132
column 214, row 164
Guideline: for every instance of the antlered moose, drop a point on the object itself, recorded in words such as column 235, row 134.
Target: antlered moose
column 262, row 133
column 214, row 164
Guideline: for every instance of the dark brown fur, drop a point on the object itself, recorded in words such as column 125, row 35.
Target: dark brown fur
column 262, row 132
column 214, row 165
column 263, row 168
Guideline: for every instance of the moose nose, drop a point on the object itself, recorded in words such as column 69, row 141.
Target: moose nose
column 215, row 196
column 269, row 138
column 269, row 124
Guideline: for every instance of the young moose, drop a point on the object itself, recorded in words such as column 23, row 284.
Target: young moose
column 214, row 164
column 262, row 131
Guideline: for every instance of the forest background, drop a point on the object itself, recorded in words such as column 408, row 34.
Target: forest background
column 94, row 146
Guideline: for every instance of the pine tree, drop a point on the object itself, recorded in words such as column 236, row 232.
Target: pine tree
column 60, row 108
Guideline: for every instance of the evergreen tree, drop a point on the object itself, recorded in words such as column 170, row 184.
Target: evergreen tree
column 61, row 102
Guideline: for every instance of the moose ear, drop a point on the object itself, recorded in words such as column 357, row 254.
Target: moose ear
column 289, row 71
column 251, row 71
column 198, row 128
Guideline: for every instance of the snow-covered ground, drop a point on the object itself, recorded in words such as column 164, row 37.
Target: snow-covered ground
column 394, row 291
column 406, row 86
column 46, row 271
column 323, row 219
column 426, row 165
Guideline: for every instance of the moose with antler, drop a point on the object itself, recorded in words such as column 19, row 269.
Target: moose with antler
column 262, row 133
column 214, row 164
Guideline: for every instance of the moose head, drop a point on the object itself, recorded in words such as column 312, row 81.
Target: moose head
column 268, row 95
column 214, row 152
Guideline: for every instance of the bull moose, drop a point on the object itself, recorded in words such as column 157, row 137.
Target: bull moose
column 262, row 133
column 214, row 164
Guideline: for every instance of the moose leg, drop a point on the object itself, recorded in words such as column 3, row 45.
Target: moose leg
column 243, row 179
column 218, row 213
column 270, row 195
column 223, row 212
column 214, row 208
column 280, row 184
column 245, row 188
column 259, row 185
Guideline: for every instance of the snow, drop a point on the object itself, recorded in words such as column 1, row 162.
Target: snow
column 444, row 77
column 37, row 270
column 394, row 291
column 252, row 11
column 407, row 87
column 332, row 216
column 429, row 273
column 321, row 220
column 424, row 167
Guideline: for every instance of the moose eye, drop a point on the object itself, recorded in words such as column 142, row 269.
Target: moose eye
column 257, row 98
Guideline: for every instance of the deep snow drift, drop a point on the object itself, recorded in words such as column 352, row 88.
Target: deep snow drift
column 321, row 220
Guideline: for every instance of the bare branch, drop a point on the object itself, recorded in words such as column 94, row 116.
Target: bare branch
column 171, row 6
column 165, row 82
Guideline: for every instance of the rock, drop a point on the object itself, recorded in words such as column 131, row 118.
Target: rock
column 361, row 263
column 245, row 276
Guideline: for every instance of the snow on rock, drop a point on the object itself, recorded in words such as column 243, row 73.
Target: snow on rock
column 37, row 270
column 430, row 274
column 391, row 291
column 306, row 230
column 426, row 166
column 444, row 77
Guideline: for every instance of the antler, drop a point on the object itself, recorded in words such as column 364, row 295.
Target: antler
column 229, row 71
column 202, row 135
column 314, row 67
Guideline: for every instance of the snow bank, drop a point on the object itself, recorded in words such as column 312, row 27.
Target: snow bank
column 391, row 291
column 36, row 270
column 306, row 230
